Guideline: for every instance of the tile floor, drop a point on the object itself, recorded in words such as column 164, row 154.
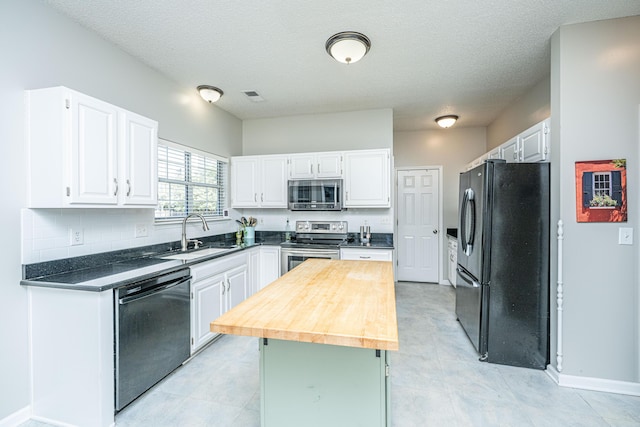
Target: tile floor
column 436, row 381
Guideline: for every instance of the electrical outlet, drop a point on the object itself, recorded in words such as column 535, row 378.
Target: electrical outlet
column 76, row 236
column 141, row 230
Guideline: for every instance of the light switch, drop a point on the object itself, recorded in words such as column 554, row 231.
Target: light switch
column 625, row 236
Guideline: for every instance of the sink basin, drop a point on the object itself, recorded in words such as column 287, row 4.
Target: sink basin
column 188, row 256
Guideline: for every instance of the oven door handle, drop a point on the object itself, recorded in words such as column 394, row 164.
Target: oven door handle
column 132, row 298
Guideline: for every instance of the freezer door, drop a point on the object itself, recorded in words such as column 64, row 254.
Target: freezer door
column 469, row 305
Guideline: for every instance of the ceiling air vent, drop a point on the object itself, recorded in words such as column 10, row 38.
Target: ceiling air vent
column 253, row 95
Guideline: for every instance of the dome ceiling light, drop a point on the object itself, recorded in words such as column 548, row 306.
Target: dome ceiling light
column 210, row 93
column 348, row 46
column 446, row 121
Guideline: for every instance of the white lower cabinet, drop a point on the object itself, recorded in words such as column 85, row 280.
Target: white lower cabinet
column 216, row 287
column 367, row 254
column 269, row 265
column 453, row 260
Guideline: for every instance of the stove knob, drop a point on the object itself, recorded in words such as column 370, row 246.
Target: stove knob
column 333, row 226
column 341, row 226
column 306, row 226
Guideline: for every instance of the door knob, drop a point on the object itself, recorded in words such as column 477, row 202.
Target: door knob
column 435, row 231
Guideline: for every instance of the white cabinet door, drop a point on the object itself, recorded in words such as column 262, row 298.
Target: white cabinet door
column 534, row 143
column 244, row 182
column 510, row 150
column 94, row 151
column 495, row 153
column 269, row 265
column 367, row 179
column 301, row 166
column 207, row 304
column 259, row 181
column 366, row 254
column 273, row 181
column 138, row 160
column 237, row 281
column 254, row 270
column 329, row 165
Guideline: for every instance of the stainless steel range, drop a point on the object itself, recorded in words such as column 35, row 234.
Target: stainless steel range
column 314, row 239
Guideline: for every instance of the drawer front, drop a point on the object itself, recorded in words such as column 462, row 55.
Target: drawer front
column 367, row 254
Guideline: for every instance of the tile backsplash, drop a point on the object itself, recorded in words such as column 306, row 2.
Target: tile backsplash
column 47, row 233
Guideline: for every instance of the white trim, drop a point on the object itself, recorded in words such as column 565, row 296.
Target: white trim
column 439, row 168
column 18, row 417
column 560, row 297
column 594, row 384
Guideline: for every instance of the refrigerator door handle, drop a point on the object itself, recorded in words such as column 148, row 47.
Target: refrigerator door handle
column 467, row 278
column 468, row 211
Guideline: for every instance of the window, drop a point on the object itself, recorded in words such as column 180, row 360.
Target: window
column 602, row 183
column 189, row 181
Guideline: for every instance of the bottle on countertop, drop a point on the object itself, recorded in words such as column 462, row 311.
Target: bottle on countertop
column 287, row 232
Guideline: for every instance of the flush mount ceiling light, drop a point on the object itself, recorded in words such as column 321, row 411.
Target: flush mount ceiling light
column 348, row 46
column 446, row 121
column 210, row 93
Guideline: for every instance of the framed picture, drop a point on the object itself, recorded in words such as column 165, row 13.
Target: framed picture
column 601, row 191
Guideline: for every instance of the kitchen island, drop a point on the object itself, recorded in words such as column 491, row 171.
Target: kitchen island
column 326, row 329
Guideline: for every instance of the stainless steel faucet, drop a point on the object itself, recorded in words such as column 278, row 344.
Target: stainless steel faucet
column 184, row 242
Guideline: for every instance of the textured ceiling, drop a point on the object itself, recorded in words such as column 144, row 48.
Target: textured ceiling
column 428, row 57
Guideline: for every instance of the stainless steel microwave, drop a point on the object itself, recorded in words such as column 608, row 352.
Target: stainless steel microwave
column 315, row 195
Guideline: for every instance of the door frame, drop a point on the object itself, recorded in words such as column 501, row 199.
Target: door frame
column 439, row 168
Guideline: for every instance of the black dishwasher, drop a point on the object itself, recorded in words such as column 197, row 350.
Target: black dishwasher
column 151, row 333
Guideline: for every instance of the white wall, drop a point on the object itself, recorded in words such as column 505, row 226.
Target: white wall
column 41, row 48
column 355, row 130
column 452, row 148
column 531, row 108
column 595, row 102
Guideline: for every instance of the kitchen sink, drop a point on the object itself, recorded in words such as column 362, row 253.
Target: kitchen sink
column 199, row 253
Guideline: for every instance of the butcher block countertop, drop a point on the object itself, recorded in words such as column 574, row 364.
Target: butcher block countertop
column 347, row 303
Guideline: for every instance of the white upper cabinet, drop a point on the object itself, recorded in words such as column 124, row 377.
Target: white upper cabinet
column 367, row 181
column 510, row 150
column 534, row 143
column 315, row 165
column 84, row 152
column 259, row 181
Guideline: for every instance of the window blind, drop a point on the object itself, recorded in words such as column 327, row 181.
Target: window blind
column 190, row 181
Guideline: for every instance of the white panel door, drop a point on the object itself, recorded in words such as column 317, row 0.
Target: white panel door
column 418, row 234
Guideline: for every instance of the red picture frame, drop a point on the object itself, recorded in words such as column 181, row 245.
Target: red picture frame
column 601, row 191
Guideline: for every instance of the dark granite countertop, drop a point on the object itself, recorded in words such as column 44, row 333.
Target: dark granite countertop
column 105, row 271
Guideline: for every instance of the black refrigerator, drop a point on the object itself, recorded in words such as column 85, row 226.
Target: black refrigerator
column 502, row 294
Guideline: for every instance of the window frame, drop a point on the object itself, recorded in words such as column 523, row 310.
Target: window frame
column 189, row 184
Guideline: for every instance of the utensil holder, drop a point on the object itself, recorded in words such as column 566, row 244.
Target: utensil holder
column 249, row 235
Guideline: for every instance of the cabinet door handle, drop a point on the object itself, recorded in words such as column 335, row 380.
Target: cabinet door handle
column 255, row 197
column 364, row 257
column 318, row 170
column 224, row 288
column 262, row 197
column 347, row 196
column 115, row 192
column 311, row 168
column 128, row 188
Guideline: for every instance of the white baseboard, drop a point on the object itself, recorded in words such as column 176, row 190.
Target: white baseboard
column 594, row 384
column 17, row 418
